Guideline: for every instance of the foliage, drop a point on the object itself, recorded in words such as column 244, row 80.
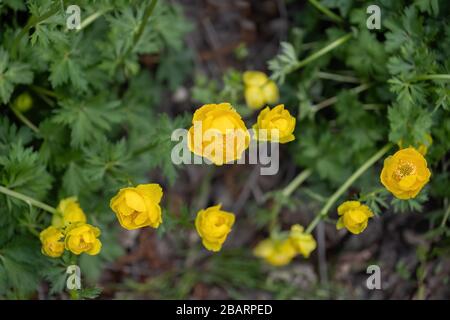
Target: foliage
column 93, row 112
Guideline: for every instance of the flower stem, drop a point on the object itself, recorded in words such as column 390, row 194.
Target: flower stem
column 333, row 100
column 24, row 119
column 330, row 14
column 33, row 21
column 337, row 77
column 27, row 199
column 336, row 43
column 335, row 196
column 286, row 192
column 294, row 184
column 432, row 77
column 147, row 14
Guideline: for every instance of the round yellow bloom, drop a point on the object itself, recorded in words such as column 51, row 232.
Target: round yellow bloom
column 354, row 216
column 52, row 242
column 68, row 212
column 405, row 173
column 259, row 89
column 213, row 226
column 218, row 133
column 423, row 148
column 138, row 207
column 275, row 125
column 82, row 237
column 303, row 242
column 276, row 252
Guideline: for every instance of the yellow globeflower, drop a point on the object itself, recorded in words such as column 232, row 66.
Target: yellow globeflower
column 303, row 242
column 52, row 240
column 82, row 238
column 405, row 173
column 275, row 125
column 276, row 252
column 354, row 216
column 213, row 226
column 138, row 207
column 259, row 89
column 218, row 133
column 423, row 148
column 68, row 212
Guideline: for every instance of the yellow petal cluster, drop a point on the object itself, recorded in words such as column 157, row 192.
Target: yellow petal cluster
column 218, row 133
column 68, row 212
column 405, row 173
column 304, row 243
column 213, row 225
column 52, row 240
column 259, row 89
column 275, row 124
column 354, row 216
column 83, row 238
column 70, row 231
column 279, row 251
column 137, row 207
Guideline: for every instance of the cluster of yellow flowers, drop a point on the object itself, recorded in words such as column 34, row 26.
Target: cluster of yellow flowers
column 280, row 250
column 259, row 90
column 139, row 207
column 404, row 174
column 70, row 231
column 220, row 125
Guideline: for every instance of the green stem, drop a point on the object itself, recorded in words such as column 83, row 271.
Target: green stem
column 33, row 21
column 24, row 119
column 333, row 100
column 336, row 43
column 337, row 77
column 27, row 199
column 330, row 14
column 335, row 196
column 294, row 184
column 446, row 215
column 286, row 192
column 92, row 18
column 45, row 91
column 147, row 14
column 432, row 77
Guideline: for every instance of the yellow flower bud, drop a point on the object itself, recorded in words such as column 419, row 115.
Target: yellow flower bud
column 254, row 97
column 303, row 242
column 68, row 211
column 52, row 242
column 354, row 216
column 275, row 125
column 259, row 90
column 23, row 102
column 82, row 238
column 213, row 226
column 276, row 252
column 138, row 207
column 218, row 133
column 405, row 173
column 271, row 93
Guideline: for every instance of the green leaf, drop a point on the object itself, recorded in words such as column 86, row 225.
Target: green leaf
column 12, row 73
